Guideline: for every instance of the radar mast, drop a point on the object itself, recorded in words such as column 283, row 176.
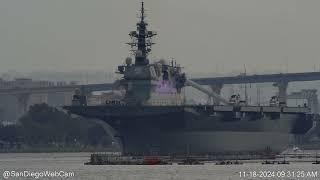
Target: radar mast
column 141, row 40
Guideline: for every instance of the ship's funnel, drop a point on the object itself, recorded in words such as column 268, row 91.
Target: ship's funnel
column 206, row 91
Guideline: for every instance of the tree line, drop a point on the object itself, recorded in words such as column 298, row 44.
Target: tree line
column 45, row 126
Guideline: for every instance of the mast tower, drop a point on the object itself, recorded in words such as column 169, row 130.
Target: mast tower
column 141, row 40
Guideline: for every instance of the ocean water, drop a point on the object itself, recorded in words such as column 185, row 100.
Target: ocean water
column 71, row 166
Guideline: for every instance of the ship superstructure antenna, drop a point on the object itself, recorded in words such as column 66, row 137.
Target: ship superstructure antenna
column 141, row 40
column 142, row 11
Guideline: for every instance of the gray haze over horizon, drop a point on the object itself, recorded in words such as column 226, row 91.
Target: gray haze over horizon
column 203, row 36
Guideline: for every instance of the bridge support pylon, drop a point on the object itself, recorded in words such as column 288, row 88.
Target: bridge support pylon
column 282, row 87
column 312, row 99
column 23, row 102
column 216, row 88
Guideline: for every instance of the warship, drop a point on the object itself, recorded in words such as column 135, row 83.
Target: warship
column 150, row 115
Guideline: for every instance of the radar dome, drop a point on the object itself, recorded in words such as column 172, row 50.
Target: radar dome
column 128, row 61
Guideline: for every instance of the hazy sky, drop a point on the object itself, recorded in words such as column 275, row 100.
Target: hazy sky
column 202, row 35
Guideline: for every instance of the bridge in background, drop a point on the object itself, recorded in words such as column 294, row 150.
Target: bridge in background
column 280, row 80
column 263, row 78
column 216, row 83
column 57, row 89
column 53, row 95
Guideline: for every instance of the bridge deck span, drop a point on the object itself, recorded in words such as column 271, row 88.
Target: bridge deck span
column 56, row 89
column 288, row 77
column 241, row 79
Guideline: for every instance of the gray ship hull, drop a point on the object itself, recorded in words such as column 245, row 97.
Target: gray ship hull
column 207, row 142
column 197, row 129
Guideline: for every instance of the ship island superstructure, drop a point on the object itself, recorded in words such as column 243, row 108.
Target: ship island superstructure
column 143, row 80
column 150, row 116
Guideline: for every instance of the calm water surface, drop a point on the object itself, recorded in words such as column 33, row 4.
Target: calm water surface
column 73, row 162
